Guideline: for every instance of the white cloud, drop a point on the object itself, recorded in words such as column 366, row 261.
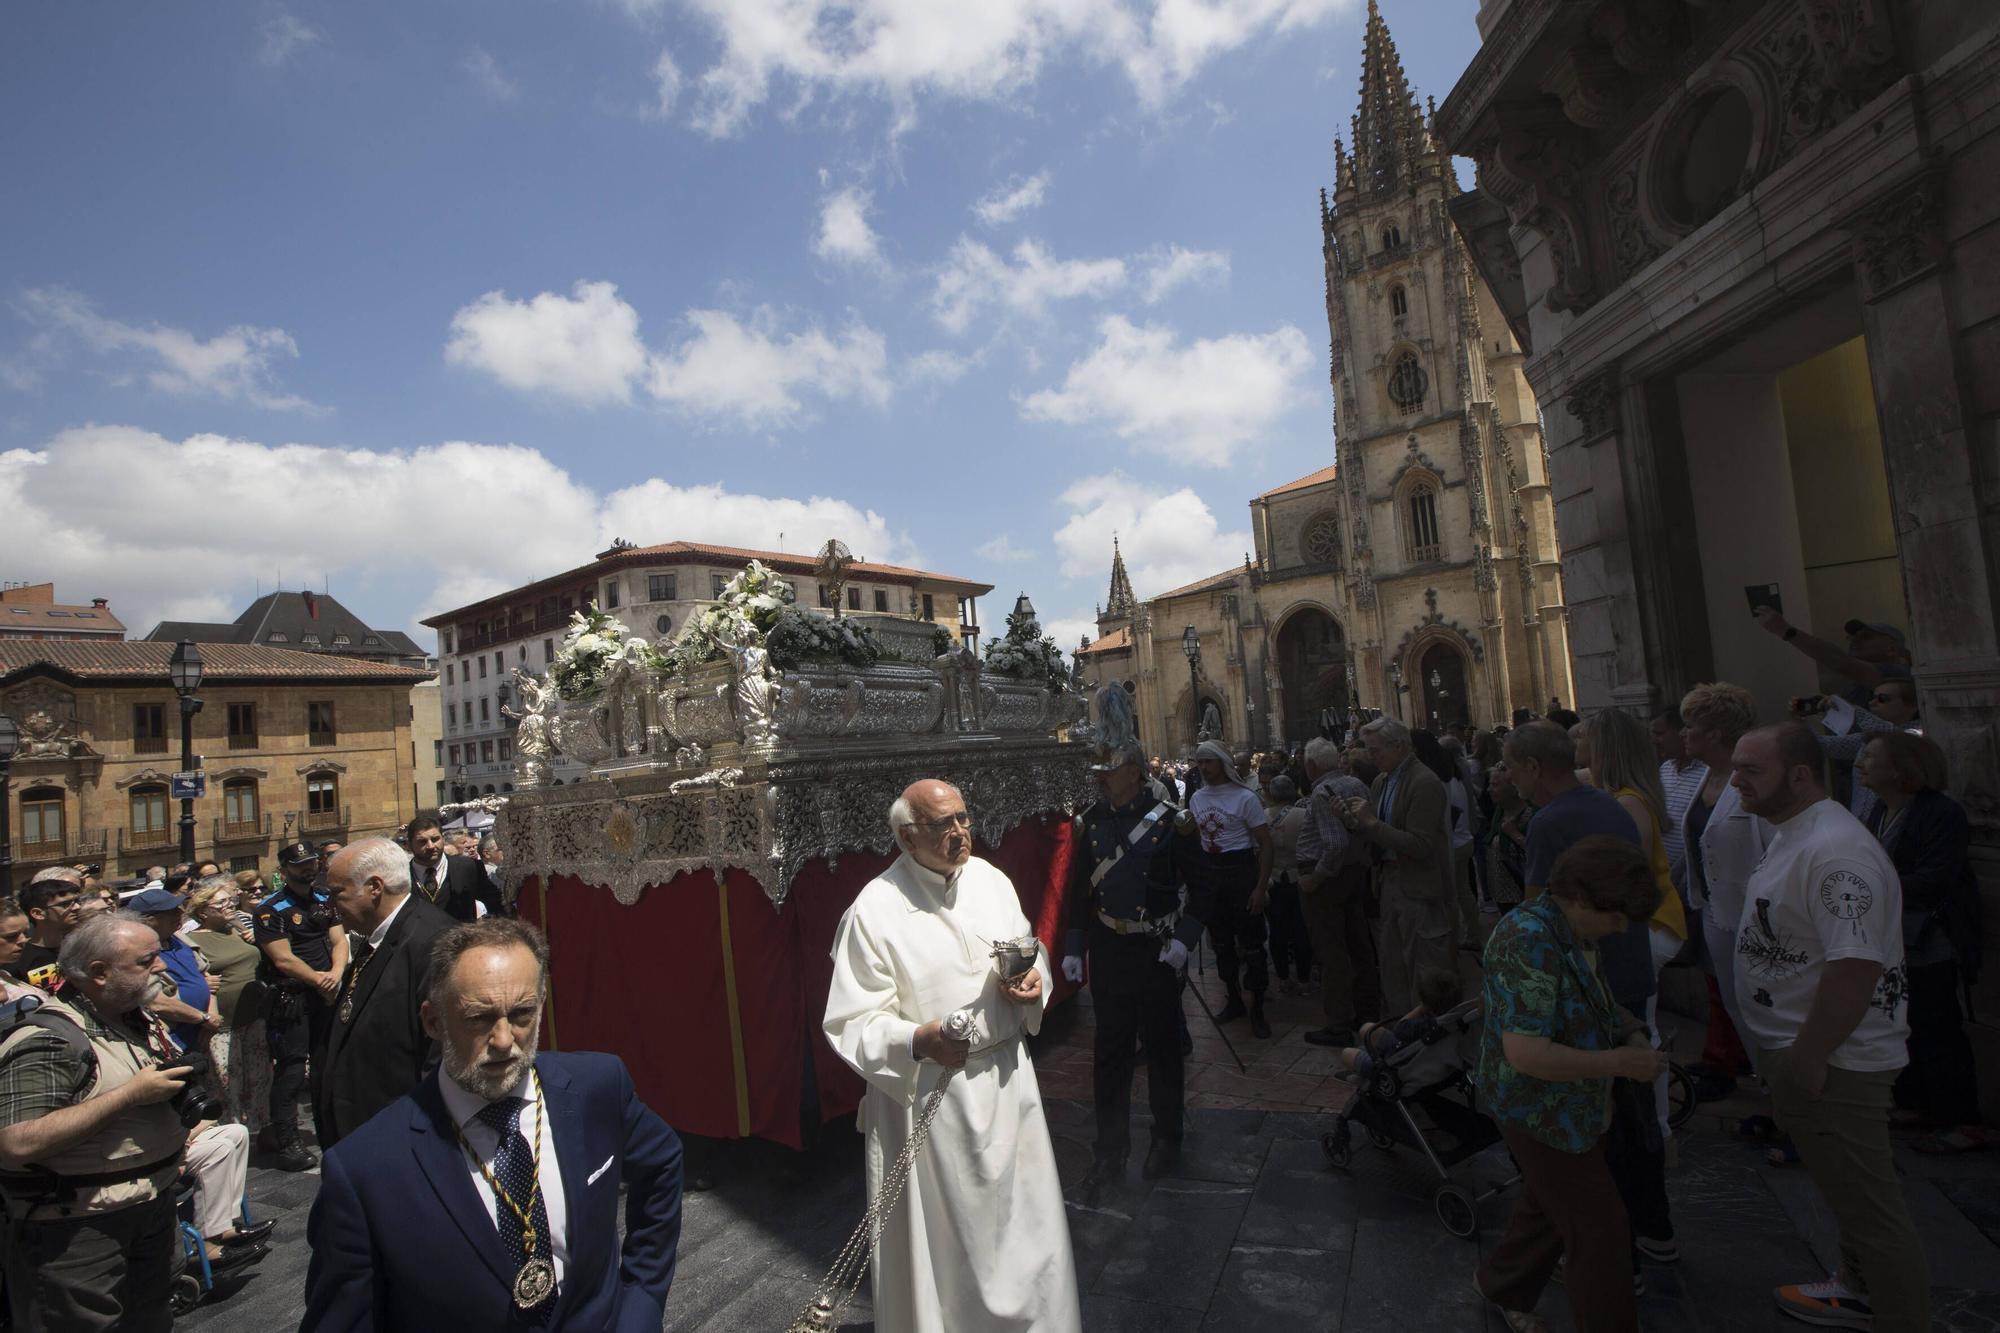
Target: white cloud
column 1169, row 538
column 586, row 348
column 666, row 84
column 902, row 51
column 282, row 37
column 754, row 373
column 936, row 366
column 1197, row 402
column 974, row 278
column 1002, row 551
column 1006, row 202
column 1178, row 266
column 486, row 75
column 89, row 502
column 1067, row 630
column 583, row 347
column 844, row 234
column 234, row 365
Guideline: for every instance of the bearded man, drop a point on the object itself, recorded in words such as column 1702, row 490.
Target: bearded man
column 978, row 1241
column 487, row 1197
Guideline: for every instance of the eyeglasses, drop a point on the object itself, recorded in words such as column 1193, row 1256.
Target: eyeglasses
column 935, row 827
column 65, row 904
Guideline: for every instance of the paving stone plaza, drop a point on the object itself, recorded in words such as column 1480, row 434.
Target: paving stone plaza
column 1255, row 1230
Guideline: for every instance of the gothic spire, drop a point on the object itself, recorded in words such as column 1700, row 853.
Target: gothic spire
column 1122, row 601
column 1389, row 131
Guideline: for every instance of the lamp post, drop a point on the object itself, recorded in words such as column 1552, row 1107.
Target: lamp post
column 185, row 667
column 1396, row 679
column 1024, row 612
column 10, row 737
column 1191, row 645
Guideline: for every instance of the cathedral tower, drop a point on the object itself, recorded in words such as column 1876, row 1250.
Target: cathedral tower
column 1451, row 565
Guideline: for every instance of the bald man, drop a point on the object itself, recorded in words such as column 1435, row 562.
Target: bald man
column 979, row 1240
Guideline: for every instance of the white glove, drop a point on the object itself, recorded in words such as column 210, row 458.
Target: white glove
column 1174, row 955
column 1073, row 969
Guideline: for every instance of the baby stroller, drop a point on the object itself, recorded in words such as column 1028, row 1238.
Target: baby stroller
column 1430, row 1075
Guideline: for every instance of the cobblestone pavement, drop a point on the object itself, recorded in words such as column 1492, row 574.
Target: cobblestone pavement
column 1255, row 1229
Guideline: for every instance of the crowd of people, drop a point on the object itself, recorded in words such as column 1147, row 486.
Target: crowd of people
column 1811, row 871
column 156, row 1034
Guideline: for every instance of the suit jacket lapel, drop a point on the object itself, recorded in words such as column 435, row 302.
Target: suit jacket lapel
column 378, row 961
column 566, row 1112
column 434, row 1142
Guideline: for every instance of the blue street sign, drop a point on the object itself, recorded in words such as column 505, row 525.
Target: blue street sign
column 189, row 786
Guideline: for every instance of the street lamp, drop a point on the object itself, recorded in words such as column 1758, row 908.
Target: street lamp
column 1024, row 611
column 185, row 668
column 1191, row 645
column 1396, row 679
column 10, row 737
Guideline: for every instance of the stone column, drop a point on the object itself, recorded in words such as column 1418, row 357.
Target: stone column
column 1902, row 263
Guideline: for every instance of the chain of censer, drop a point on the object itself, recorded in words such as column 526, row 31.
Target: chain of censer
column 844, row 1278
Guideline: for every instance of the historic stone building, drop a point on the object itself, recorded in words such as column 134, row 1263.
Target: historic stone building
column 294, row 745
column 1419, row 574
column 1753, row 253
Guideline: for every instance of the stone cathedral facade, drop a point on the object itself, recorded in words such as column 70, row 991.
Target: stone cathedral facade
column 1419, row 575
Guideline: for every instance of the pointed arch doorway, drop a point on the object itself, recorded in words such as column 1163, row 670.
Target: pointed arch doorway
column 1446, row 699
column 1312, row 669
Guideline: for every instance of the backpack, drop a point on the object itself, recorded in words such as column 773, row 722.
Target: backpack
column 33, row 1011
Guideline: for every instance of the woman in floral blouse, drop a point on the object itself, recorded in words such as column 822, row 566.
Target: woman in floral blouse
column 1552, row 1045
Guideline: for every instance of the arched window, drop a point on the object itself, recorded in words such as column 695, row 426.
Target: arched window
column 1392, row 237
column 1407, row 383
column 149, row 815
column 41, row 819
column 1420, row 523
column 239, row 804
column 322, row 800
column 1399, row 301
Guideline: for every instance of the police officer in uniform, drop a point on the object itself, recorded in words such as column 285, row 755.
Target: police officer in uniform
column 1133, row 853
column 305, row 956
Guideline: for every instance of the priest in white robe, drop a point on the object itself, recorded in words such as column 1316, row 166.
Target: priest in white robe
column 979, row 1242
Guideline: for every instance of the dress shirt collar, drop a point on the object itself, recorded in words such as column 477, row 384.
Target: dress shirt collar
column 381, row 932
column 463, row 1106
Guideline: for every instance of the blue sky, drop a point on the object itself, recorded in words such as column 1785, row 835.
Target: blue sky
column 431, row 298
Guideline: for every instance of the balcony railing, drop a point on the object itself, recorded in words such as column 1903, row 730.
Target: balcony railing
column 241, row 740
column 149, row 745
column 252, row 830
column 321, row 737
column 133, row 839
column 324, row 819
column 82, row 845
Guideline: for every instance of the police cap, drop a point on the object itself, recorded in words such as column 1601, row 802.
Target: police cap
column 297, row 854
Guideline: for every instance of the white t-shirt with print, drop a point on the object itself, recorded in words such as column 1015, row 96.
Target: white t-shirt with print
column 1824, row 891
column 1225, row 814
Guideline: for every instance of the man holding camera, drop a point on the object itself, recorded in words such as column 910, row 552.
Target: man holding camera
column 90, row 1143
column 305, row 958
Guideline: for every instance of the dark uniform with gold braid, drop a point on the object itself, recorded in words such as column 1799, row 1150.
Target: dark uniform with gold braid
column 1127, row 871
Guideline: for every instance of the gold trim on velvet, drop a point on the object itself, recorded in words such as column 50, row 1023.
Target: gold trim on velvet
column 740, row 1066
column 549, row 1020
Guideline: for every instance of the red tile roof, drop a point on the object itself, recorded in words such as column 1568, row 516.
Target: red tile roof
column 222, row 663
column 692, row 552
column 1227, row 576
column 1116, row 640
column 1310, row 479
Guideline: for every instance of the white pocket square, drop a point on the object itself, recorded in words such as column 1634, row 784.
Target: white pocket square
column 600, row 1171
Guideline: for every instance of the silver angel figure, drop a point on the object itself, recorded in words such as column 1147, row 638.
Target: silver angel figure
column 533, row 755
column 750, row 683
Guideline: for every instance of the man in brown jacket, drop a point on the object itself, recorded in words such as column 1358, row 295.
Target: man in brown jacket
column 1404, row 823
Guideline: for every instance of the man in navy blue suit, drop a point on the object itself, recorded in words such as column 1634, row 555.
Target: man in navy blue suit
column 488, row 1197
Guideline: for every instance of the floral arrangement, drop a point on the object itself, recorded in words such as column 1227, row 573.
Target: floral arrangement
column 759, row 600
column 1027, row 654
column 594, row 642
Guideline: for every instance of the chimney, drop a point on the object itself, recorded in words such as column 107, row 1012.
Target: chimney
column 100, row 602
column 312, row 603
